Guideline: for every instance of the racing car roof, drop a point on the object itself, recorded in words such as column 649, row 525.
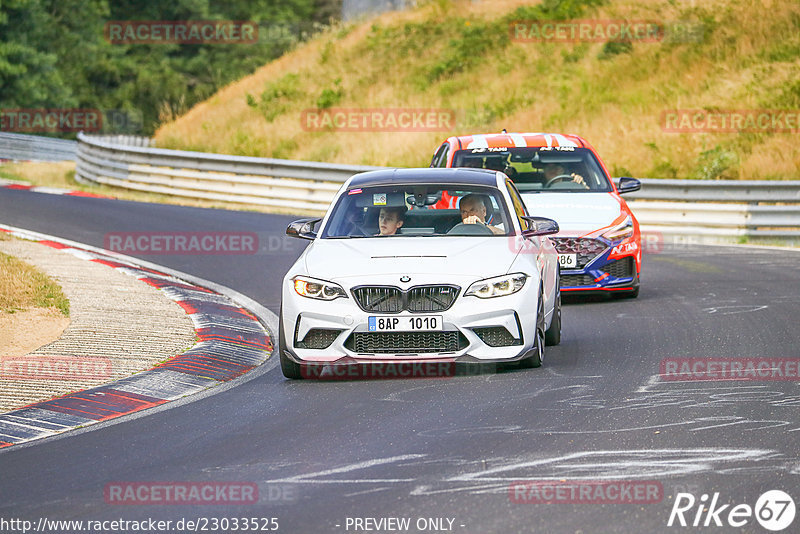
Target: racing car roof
column 517, row 140
column 425, row 175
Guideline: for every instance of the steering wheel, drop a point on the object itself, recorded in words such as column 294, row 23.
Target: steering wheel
column 356, row 230
column 559, row 178
column 470, row 229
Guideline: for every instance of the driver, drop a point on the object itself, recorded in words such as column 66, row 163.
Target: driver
column 391, row 219
column 473, row 211
column 551, row 170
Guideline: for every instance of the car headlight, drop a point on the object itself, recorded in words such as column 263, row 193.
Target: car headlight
column 498, row 286
column 622, row 230
column 317, row 289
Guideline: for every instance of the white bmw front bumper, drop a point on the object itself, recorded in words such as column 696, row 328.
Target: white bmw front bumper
column 498, row 329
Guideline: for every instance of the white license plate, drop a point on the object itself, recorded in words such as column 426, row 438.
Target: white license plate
column 395, row 323
column 568, row 260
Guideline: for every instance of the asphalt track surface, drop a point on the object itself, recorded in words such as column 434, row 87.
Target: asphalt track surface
column 323, row 452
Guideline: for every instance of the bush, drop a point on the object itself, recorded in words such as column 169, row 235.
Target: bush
column 613, row 48
column 712, row 164
column 276, row 97
column 331, row 97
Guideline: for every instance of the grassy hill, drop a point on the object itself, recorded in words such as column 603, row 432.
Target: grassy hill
column 459, row 55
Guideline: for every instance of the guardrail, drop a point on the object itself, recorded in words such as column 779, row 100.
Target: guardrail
column 19, row 147
column 304, row 185
column 719, row 210
column 728, row 210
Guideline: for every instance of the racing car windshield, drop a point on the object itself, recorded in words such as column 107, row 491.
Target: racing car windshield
column 540, row 169
column 418, row 210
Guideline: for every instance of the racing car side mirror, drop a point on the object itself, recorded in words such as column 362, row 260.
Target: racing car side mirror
column 540, row 226
column 627, row 184
column 303, row 228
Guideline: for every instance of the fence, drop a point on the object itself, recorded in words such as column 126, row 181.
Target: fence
column 18, row 147
column 720, row 210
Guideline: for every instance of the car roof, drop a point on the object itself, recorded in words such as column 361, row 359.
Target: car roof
column 498, row 140
column 444, row 176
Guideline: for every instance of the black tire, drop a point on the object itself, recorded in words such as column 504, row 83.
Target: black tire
column 553, row 334
column 289, row 368
column 631, row 294
column 537, row 352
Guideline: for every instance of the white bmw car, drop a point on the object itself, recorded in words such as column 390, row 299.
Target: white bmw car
column 390, row 278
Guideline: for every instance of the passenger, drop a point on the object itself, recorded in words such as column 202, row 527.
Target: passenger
column 391, row 219
column 551, row 170
column 473, row 211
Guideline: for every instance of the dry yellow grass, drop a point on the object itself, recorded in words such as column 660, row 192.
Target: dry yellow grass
column 749, row 59
column 22, row 287
column 49, row 174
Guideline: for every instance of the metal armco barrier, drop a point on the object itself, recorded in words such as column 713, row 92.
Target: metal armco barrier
column 302, row 185
column 716, row 210
column 720, row 210
column 19, row 147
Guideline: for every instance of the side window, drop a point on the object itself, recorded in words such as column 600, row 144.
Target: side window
column 440, row 158
column 445, row 154
column 519, row 205
column 438, row 155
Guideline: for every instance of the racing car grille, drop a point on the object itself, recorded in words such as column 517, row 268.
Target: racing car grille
column 587, row 249
column 388, row 299
column 496, row 336
column 379, row 299
column 318, row 338
column 623, row 268
column 573, row 280
column 405, row 342
column 431, row 298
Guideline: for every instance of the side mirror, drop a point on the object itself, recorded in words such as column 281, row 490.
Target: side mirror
column 304, row 229
column 627, row 184
column 540, row 226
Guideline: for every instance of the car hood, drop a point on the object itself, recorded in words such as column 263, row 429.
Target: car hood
column 575, row 213
column 479, row 257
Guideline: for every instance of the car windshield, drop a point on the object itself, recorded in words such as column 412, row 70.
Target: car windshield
column 418, row 210
column 540, row 169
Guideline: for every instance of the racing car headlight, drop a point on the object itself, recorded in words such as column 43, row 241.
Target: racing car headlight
column 498, row 286
column 621, row 231
column 317, row 289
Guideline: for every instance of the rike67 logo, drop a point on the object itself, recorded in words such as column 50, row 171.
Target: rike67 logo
column 774, row 511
